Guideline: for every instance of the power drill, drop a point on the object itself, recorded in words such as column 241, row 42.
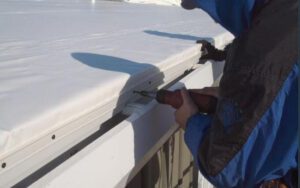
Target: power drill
column 206, row 103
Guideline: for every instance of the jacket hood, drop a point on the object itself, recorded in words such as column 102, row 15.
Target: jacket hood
column 234, row 15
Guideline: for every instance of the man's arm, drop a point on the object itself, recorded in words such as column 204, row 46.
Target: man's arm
column 271, row 148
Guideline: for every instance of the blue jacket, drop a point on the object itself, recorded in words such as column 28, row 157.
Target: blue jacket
column 270, row 151
column 252, row 137
column 234, row 15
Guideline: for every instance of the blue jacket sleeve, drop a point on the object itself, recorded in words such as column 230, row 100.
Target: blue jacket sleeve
column 196, row 127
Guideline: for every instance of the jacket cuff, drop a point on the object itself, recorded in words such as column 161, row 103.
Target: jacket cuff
column 195, row 130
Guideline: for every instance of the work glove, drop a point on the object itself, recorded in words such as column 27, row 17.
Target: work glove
column 188, row 4
column 209, row 52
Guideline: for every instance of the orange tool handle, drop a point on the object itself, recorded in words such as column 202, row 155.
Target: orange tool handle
column 205, row 103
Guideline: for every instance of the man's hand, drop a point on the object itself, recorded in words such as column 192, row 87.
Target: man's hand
column 209, row 52
column 187, row 109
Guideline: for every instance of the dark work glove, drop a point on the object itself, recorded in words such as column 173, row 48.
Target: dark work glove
column 209, row 52
column 188, row 4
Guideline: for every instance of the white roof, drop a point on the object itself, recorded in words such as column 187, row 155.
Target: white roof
column 60, row 60
column 157, row 2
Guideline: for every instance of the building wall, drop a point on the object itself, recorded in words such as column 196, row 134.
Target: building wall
column 171, row 167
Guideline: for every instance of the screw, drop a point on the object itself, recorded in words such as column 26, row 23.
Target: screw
column 3, row 165
column 53, row 137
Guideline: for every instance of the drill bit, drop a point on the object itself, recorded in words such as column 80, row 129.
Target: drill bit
column 148, row 94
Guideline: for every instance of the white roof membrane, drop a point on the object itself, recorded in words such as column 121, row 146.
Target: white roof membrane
column 60, row 60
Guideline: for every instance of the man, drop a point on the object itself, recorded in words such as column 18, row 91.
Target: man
column 252, row 139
